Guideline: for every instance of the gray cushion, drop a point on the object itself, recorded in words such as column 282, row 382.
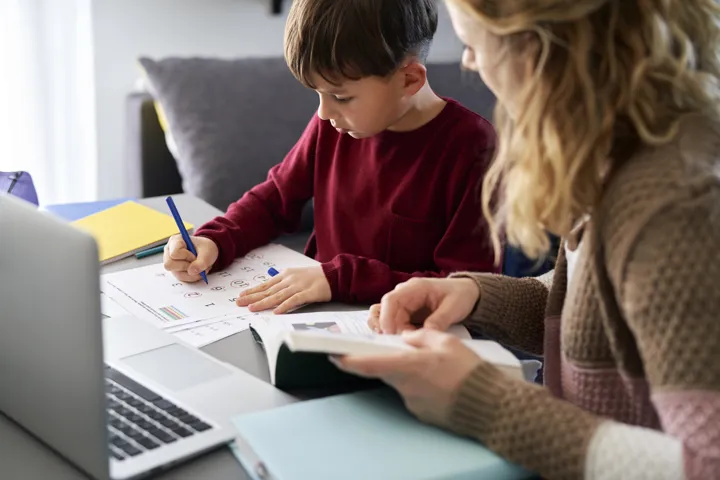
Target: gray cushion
column 449, row 80
column 231, row 120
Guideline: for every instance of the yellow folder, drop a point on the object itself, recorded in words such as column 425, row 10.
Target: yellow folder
column 128, row 228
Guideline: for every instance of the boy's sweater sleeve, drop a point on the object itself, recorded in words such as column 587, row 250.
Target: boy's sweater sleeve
column 269, row 209
column 464, row 246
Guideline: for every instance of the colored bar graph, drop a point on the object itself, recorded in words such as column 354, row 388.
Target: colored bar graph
column 173, row 313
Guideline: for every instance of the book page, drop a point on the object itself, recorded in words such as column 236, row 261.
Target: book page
column 155, row 295
column 343, row 325
column 270, row 328
column 348, row 323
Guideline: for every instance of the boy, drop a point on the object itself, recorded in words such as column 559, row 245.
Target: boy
column 392, row 167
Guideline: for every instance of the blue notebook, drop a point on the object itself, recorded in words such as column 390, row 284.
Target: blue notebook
column 365, row 435
column 76, row 211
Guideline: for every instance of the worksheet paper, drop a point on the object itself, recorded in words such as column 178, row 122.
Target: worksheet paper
column 155, row 295
column 109, row 307
column 203, row 335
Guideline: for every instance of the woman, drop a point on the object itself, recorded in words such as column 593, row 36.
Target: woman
column 609, row 137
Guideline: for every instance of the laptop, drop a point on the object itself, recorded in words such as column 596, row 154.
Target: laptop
column 115, row 396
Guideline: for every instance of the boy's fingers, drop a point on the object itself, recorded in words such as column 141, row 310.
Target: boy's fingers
column 199, row 265
column 177, row 250
column 245, row 300
column 174, row 243
column 176, row 265
column 203, row 262
column 273, row 300
column 181, row 254
column 291, row 303
column 263, row 286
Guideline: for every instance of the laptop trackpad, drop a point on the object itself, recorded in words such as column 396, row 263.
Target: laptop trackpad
column 176, row 367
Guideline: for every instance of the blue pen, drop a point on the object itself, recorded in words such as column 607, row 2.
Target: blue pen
column 183, row 232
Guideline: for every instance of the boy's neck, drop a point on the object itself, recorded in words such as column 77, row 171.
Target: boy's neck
column 425, row 106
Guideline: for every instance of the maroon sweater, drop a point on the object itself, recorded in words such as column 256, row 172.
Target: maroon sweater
column 387, row 208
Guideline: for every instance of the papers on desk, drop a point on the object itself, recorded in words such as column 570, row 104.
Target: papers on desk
column 110, row 308
column 212, row 332
column 126, row 229
column 198, row 313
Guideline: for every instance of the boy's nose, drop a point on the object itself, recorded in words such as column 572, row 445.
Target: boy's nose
column 323, row 111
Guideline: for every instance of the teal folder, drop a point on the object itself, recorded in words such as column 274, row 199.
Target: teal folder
column 359, row 436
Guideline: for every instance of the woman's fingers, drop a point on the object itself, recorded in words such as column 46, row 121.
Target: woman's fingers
column 379, row 366
column 374, row 318
column 392, row 313
column 442, row 318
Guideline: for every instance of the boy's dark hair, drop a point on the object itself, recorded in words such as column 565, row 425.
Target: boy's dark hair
column 353, row 39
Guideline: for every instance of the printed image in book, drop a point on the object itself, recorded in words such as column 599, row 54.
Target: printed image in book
column 322, row 326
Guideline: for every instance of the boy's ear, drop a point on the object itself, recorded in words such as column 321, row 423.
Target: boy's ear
column 414, row 77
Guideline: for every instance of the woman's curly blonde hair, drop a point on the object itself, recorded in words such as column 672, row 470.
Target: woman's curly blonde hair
column 610, row 76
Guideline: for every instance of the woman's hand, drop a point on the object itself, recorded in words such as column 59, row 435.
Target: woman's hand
column 426, row 377
column 428, row 302
column 289, row 290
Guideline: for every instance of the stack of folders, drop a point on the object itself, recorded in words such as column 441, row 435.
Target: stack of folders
column 359, row 436
column 128, row 228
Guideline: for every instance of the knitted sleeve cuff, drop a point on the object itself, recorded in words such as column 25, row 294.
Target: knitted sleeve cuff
column 491, row 303
column 523, row 423
column 477, row 400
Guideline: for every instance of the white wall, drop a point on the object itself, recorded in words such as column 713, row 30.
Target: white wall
column 126, row 29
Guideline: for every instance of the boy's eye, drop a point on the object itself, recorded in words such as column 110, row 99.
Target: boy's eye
column 343, row 99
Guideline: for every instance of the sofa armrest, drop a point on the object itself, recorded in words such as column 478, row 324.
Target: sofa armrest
column 151, row 168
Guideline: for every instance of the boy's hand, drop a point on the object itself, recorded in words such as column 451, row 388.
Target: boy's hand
column 292, row 288
column 183, row 264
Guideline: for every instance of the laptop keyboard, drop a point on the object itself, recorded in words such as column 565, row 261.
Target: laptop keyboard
column 140, row 420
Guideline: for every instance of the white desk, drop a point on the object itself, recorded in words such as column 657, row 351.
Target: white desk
column 22, row 457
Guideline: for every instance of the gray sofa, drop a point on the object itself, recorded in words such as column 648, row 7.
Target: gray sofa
column 270, row 115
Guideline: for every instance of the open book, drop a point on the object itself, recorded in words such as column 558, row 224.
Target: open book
column 297, row 347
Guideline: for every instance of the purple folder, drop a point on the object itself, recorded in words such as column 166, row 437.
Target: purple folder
column 19, row 184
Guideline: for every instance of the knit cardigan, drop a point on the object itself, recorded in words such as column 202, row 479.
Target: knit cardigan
column 631, row 344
